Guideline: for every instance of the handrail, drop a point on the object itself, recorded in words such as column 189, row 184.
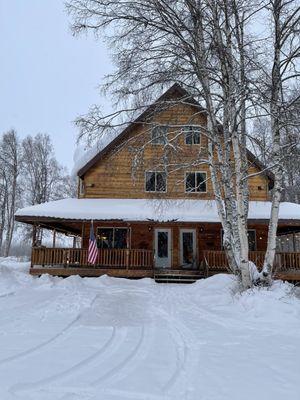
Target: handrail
column 109, row 258
column 283, row 261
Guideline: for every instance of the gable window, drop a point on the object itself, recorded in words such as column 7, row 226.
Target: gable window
column 112, row 238
column 159, row 135
column 156, row 181
column 192, row 134
column 195, row 182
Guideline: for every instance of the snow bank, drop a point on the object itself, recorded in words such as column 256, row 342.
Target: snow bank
column 143, row 210
column 116, row 339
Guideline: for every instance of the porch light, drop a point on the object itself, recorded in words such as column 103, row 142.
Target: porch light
column 149, row 228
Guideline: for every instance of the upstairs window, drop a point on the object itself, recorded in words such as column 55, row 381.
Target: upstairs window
column 195, row 182
column 156, row 181
column 112, row 238
column 159, row 135
column 192, row 134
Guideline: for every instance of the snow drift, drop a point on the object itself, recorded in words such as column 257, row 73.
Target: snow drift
column 115, row 339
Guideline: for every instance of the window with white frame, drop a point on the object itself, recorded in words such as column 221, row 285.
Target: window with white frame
column 159, row 134
column 156, row 181
column 192, row 134
column 195, row 182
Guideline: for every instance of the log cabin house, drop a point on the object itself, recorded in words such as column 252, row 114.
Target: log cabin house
column 152, row 220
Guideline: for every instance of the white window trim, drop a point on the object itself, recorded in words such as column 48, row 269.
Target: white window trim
column 116, row 227
column 152, row 140
column 185, row 134
column 155, row 191
column 195, row 172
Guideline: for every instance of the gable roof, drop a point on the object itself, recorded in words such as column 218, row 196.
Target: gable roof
column 174, row 90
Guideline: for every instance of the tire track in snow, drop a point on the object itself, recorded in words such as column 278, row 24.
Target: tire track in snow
column 130, row 363
column 106, row 347
column 114, row 372
column 182, row 336
column 41, row 345
column 124, row 394
column 181, row 359
column 4, row 295
column 45, row 343
column 111, row 348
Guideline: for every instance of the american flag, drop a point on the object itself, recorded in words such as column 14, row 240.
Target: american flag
column 93, row 251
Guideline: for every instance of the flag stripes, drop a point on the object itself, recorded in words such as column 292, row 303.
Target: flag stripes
column 93, row 250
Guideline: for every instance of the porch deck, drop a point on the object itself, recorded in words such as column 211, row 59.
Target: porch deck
column 139, row 263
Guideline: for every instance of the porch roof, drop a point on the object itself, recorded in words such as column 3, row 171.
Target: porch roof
column 146, row 210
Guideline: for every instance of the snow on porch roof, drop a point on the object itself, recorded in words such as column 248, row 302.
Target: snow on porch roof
column 144, row 210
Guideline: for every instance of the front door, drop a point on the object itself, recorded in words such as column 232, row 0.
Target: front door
column 188, row 248
column 162, row 248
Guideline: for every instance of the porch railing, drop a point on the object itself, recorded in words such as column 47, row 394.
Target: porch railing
column 283, row 261
column 107, row 258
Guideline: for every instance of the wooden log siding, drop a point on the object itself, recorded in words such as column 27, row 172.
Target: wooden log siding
column 283, row 261
column 111, row 176
column 113, row 258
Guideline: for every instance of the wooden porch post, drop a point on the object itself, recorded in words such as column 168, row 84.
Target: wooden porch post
column 33, row 244
column 294, row 242
column 74, row 242
column 128, row 247
column 82, row 234
column 54, row 238
column 34, row 235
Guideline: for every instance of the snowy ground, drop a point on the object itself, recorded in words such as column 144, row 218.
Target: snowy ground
column 115, row 339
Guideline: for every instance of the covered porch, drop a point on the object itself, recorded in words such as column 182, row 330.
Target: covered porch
column 135, row 239
column 139, row 263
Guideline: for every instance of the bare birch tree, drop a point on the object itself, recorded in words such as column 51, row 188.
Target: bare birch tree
column 42, row 174
column 285, row 20
column 208, row 48
column 10, row 169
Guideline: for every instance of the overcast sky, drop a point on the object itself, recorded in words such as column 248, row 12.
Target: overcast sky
column 48, row 77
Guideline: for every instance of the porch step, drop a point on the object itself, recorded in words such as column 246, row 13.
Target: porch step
column 177, row 276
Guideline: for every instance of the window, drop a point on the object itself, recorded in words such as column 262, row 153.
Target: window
column 156, row 181
column 112, row 238
column 159, row 135
column 251, row 239
column 195, row 182
column 192, row 134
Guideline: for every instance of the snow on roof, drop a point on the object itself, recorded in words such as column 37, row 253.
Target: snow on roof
column 143, row 210
column 83, row 154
